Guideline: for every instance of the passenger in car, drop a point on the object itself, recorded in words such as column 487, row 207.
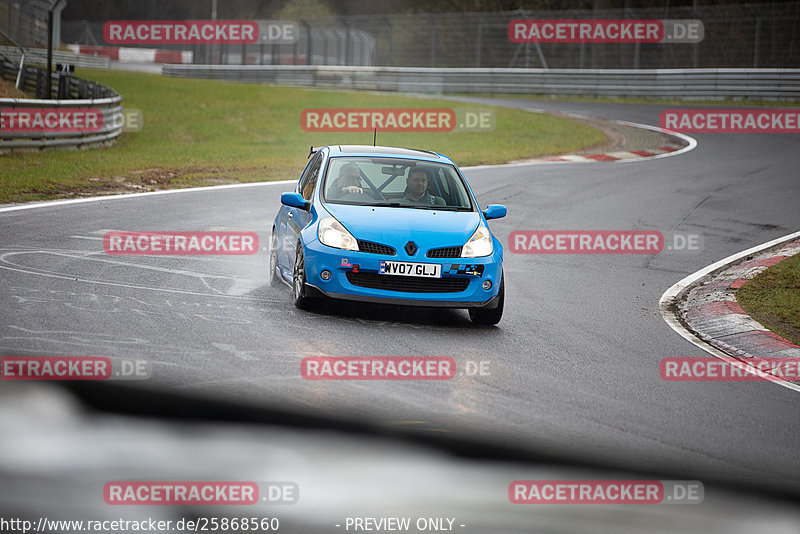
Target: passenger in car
column 417, row 189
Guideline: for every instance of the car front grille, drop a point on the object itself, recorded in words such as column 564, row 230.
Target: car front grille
column 447, row 252
column 375, row 248
column 408, row 284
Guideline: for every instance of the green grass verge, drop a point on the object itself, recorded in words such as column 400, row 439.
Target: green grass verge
column 204, row 132
column 773, row 298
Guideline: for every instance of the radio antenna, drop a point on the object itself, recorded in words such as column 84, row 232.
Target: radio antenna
column 374, row 135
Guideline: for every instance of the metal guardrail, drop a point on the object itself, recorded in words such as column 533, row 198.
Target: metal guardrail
column 33, row 80
column 39, row 55
column 777, row 84
column 73, row 93
column 110, row 108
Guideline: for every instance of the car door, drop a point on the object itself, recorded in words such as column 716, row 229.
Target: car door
column 296, row 218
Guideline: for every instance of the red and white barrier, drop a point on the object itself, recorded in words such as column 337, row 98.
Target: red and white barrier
column 135, row 55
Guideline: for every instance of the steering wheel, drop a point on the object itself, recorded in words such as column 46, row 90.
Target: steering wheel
column 356, row 196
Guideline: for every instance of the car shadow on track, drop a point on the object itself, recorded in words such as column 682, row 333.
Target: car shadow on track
column 383, row 313
column 375, row 314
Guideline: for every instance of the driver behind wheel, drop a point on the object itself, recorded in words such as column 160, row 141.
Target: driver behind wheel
column 348, row 182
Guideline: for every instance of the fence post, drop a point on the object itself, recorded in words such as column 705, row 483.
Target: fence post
column 40, row 84
column 309, row 43
column 63, row 86
column 22, row 78
column 433, row 42
column 479, row 45
column 757, row 43
column 347, row 44
column 391, row 50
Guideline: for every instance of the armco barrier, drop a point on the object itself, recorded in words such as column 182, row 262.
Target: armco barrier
column 110, row 108
column 39, row 56
column 773, row 84
column 76, row 93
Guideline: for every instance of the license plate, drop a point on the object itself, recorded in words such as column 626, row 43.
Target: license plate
column 403, row 268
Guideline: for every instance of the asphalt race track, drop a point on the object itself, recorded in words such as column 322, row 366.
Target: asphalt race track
column 573, row 364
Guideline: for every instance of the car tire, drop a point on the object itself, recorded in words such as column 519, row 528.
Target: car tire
column 489, row 317
column 300, row 296
column 274, row 273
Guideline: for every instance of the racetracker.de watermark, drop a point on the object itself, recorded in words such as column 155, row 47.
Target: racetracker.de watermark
column 606, row 492
column 731, row 120
column 181, row 32
column 602, row 242
column 397, row 120
column 72, row 368
column 709, row 369
column 50, row 120
column 378, row 368
column 180, row 243
column 605, row 31
column 585, row 242
column 200, row 493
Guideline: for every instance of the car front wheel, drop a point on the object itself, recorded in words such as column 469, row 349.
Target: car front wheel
column 300, row 295
column 483, row 316
column 274, row 275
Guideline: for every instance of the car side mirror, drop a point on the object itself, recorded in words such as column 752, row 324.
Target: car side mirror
column 295, row 200
column 495, row 211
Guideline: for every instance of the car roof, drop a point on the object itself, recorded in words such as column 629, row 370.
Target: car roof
column 387, row 151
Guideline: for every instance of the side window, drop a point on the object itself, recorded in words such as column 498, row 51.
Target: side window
column 309, row 179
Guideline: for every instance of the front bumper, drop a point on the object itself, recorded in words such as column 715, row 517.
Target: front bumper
column 320, row 257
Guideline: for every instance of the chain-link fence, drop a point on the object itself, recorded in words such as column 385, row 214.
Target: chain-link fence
column 329, row 45
column 760, row 35
column 25, row 21
column 742, row 35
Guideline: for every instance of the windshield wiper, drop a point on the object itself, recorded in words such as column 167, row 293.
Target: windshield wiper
column 442, row 208
column 390, row 205
column 418, row 207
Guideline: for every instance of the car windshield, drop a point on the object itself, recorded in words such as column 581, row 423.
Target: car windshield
column 395, row 182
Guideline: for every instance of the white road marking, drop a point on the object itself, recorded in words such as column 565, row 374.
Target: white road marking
column 52, row 203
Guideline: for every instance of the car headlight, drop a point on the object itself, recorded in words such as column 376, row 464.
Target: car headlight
column 480, row 244
column 332, row 233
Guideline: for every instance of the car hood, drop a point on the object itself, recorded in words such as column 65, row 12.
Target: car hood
column 397, row 226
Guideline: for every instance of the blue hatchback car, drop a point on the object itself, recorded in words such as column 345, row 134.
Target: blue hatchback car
column 388, row 225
